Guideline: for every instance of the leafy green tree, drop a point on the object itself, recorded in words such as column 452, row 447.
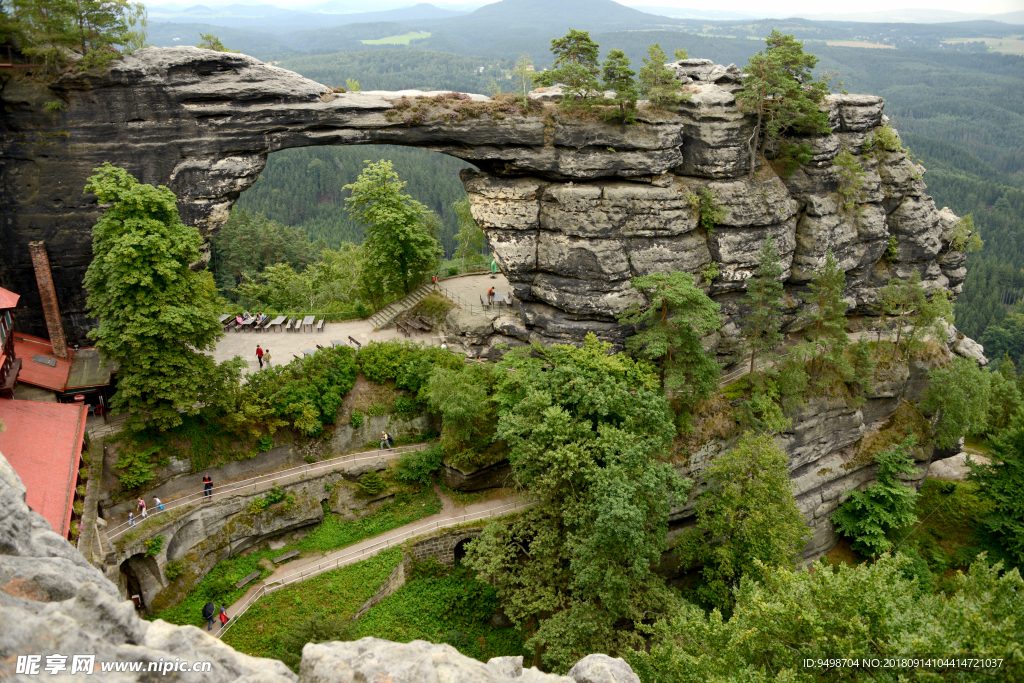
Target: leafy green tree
column 472, row 243
column 1002, row 482
column 682, row 53
column 669, row 330
column 585, row 430
column 747, row 518
column 826, row 321
column 791, row 616
column 762, row 327
column 1006, row 337
column 960, row 393
column 779, row 87
column 398, row 251
column 868, row 516
column 709, row 211
column 212, row 42
column 851, row 179
column 619, row 77
column 524, row 76
column 462, row 397
column 330, row 285
column 965, row 236
column 352, row 85
column 156, row 314
column 1005, row 400
column 658, row 83
column 575, row 67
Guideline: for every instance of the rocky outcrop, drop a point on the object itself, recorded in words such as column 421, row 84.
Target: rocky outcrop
column 52, row 601
column 572, row 209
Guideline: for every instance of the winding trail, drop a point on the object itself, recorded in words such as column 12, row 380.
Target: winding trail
column 300, row 570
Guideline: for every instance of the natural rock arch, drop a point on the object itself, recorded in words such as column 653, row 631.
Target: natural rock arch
column 572, row 209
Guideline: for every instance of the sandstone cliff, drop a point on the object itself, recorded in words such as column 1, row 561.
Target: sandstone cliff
column 572, row 209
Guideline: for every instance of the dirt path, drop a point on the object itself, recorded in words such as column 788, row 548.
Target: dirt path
column 308, row 567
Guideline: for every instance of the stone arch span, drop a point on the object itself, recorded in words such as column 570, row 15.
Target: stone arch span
column 572, row 209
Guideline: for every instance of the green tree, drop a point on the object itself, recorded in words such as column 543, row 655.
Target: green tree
column 575, row 67
column 398, row 251
column 585, row 430
column 747, row 518
column 524, row 76
column 682, row 53
column 779, row 87
column 472, row 243
column 330, row 285
column 868, row 516
column 658, row 83
column 462, row 397
column 212, row 42
column 793, row 615
column 156, row 314
column 762, row 327
column 960, row 393
column 1006, row 337
column 619, row 77
column 1002, row 482
column 1005, row 400
column 826, row 321
column 669, row 330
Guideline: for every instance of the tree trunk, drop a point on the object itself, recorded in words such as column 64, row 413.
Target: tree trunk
column 753, row 143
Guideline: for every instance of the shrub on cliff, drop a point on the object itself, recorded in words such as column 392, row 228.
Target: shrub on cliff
column 157, row 315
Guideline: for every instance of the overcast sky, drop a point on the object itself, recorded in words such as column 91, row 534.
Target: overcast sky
column 754, row 6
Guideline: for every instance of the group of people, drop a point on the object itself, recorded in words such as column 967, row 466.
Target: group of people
column 157, row 505
column 141, row 508
column 263, row 356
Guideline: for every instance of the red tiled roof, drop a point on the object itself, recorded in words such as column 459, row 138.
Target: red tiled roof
column 27, row 347
column 8, row 299
column 43, row 443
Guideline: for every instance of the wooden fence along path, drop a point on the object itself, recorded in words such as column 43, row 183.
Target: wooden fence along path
column 345, row 556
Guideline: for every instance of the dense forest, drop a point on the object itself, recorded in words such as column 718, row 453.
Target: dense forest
column 302, row 188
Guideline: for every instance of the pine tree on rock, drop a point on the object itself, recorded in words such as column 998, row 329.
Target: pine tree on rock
column 764, row 296
column 826, row 320
column 658, row 83
column 669, row 330
column 156, row 314
column 575, row 67
column 779, row 86
column 619, row 77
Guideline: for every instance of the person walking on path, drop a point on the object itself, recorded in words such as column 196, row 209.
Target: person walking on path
column 224, row 618
column 259, row 355
column 266, row 357
column 131, row 518
column 386, row 441
column 157, row 505
column 207, row 486
column 142, row 507
column 209, row 610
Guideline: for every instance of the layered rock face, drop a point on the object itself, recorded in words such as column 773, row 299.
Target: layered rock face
column 572, row 209
column 53, row 602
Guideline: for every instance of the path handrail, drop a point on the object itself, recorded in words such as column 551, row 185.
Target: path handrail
column 253, row 482
column 347, row 558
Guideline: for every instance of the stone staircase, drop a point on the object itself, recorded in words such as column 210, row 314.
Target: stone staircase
column 389, row 313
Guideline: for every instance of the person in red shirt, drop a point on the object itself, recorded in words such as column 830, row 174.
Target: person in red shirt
column 259, row 355
column 490, row 296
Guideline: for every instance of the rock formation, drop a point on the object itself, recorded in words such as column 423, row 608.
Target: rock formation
column 572, row 209
column 54, row 602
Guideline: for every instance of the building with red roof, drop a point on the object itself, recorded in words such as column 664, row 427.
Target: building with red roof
column 43, row 443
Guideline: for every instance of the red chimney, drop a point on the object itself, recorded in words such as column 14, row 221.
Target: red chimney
column 48, row 295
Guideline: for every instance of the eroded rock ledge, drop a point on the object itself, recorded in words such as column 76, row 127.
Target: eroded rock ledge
column 572, row 209
column 52, row 601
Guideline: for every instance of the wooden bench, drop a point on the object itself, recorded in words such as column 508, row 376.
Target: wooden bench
column 426, row 324
column 289, row 325
column 354, row 342
column 320, row 325
column 287, row 556
column 247, row 579
column 402, row 329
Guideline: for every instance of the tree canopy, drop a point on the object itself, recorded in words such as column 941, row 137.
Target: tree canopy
column 585, row 429
column 156, row 315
